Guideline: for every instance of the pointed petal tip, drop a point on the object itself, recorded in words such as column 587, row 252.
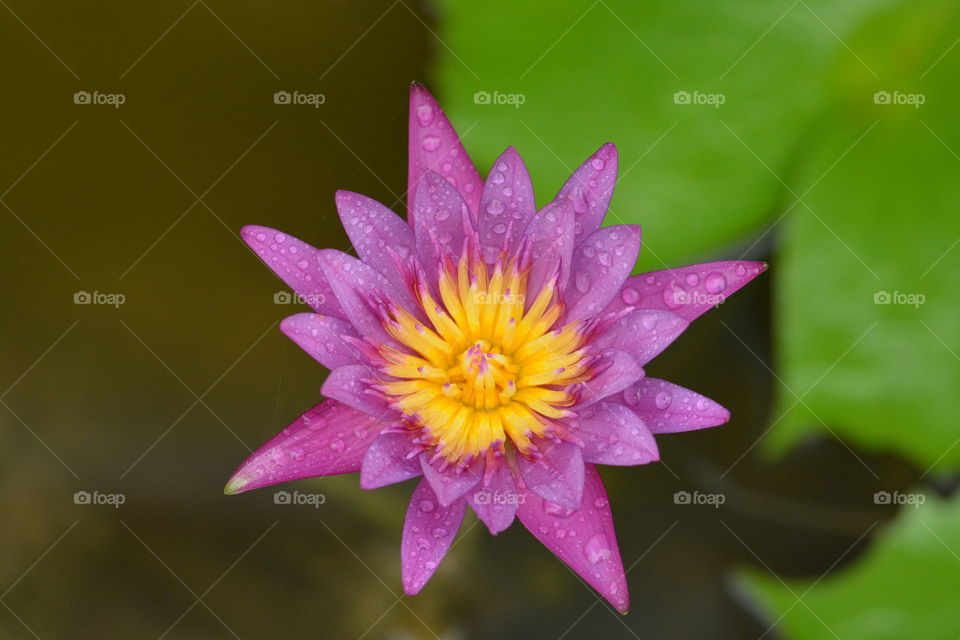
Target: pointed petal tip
column 236, row 484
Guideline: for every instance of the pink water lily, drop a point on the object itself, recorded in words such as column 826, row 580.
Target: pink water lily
column 492, row 348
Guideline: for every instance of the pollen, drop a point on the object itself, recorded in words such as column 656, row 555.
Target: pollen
column 492, row 367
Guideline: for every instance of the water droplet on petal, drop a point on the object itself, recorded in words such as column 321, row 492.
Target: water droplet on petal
column 630, row 296
column 741, row 270
column 716, row 282
column 495, row 207
column 279, row 237
column 597, row 549
column 426, row 506
column 582, row 281
column 663, row 400
column 430, row 143
column 693, row 279
column 579, row 201
column 597, row 163
column 424, row 115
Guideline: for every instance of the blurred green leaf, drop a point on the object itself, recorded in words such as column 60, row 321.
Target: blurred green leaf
column 609, row 70
column 870, row 268
column 900, row 589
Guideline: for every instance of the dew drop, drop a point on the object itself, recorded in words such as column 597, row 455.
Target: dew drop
column 630, row 296
column 426, row 506
column 693, row 279
column 424, row 115
column 495, row 208
column 716, row 282
column 597, row 549
column 430, row 143
column 663, row 400
column 597, row 163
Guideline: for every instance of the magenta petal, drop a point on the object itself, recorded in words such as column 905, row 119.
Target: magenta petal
column 613, row 434
column 351, row 386
column 643, row 333
column 589, row 188
column 495, row 502
column 506, row 206
column 601, row 263
column 387, row 461
column 550, row 233
column 354, row 283
column 557, row 476
column 297, row 264
column 451, row 483
column 322, row 337
column 583, row 539
column 440, row 223
column 619, row 371
column 687, row 291
column 328, row 439
column 377, row 233
column 668, row 408
column 428, row 532
column 435, row 146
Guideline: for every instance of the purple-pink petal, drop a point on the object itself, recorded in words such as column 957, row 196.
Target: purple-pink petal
column 550, row 233
column 428, row 532
column 322, row 337
column 590, row 188
column 327, row 440
column 601, row 263
column 584, row 539
column 440, row 223
column 506, row 206
column 643, row 333
column 296, row 262
column 351, row 386
column 613, row 434
column 687, row 291
column 556, row 476
column 353, row 284
column 434, row 145
column 618, row 370
column 451, row 483
column 388, row 461
column 495, row 501
column 380, row 236
column 667, row 408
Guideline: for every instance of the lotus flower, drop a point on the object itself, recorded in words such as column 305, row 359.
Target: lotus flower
column 490, row 348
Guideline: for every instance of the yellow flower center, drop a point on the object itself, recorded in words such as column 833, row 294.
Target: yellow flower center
column 490, row 368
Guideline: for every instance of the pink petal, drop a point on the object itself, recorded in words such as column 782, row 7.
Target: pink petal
column 353, row 284
column 435, row 146
column 613, row 434
column 583, row 539
column 351, row 386
column 452, row 483
column 506, row 206
column 495, row 502
column 601, row 263
column 387, row 461
column 296, row 263
column 550, row 233
column 428, row 532
column 687, row 291
column 377, row 233
column 643, row 333
column 668, row 408
column 327, row 440
column 440, row 223
column 322, row 337
column 589, row 188
column 558, row 475
column 620, row 370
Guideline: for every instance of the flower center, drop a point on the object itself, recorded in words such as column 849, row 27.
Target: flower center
column 489, row 368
